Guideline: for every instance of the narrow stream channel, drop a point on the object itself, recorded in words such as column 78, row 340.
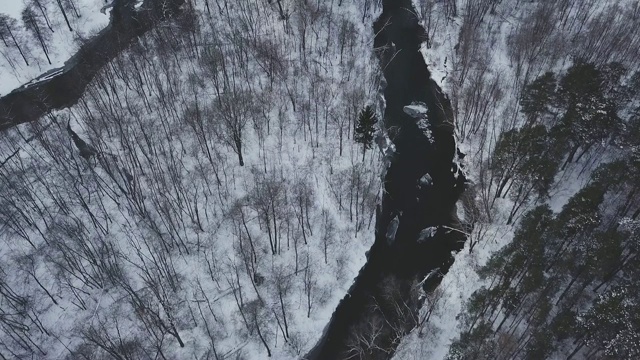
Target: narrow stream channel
column 383, row 302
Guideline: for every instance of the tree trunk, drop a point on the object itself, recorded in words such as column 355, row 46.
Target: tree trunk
column 264, row 342
column 18, row 46
column 570, row 157
column 237, row 141
column 177, row 336
column 40, row 39
column 281, row 10
column 501, row 187
column 44, row 15
column 64, row 14
column 284, row 315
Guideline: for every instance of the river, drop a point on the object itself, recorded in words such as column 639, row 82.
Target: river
column 422, row 186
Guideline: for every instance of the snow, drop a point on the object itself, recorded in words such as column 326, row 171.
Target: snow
column 11, row 8
column 426, row 234
column 288, row 152
column 62, row 45
column 425, row 180
column 419, row 111
column 392, row 229
column 46, row 76
column 416, row 110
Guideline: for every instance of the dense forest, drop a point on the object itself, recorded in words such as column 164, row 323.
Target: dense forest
column 212, row 193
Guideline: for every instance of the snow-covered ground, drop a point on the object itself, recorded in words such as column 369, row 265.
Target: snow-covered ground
column 167, row 201
column 139, row 116
column 61, row 42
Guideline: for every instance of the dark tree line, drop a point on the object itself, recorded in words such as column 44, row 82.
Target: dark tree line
column 566, row 281
column 568, row 117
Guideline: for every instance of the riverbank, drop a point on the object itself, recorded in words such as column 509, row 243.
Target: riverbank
column 382, row 304
column 63, row 87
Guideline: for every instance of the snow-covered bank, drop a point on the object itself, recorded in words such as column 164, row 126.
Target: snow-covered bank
column 61, row 43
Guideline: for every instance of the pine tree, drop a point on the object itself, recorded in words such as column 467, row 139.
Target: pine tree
column 591, row 114
column 365, row 128
column 538, row 96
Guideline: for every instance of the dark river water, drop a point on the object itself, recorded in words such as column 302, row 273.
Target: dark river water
column 383, row 302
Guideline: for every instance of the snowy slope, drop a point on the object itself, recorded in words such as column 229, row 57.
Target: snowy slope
column 161, row 237
column 62, row 42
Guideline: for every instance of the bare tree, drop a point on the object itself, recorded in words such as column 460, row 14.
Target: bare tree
column 9, row 33
column 109, row 335
column 302, row 203
column 268, row 200
column 254, row 311
column 328, row 233
column 41, row 5
column 310, row 284
column 64, row 14
column 233, row 108
column 71, row 4
column 282, row 282
column 19, row 321
column 33, row 23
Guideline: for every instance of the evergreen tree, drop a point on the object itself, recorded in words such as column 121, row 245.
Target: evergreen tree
column 524, row 164
column 567, row 282
column 365, row 128
column 590, row 117
column 477, row 344
column 581, row 84
column 612, row 324
column 631, row 137
column 581, row 214
column 538, row 96
column 612, row 84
